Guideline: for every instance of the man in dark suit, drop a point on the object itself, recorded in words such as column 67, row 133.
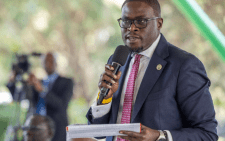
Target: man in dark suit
column 52, row 95
column 170, row 93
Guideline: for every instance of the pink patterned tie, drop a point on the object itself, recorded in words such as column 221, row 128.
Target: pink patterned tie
column 128, row 99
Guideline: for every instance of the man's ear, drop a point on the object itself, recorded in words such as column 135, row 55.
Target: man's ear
column 159, row 23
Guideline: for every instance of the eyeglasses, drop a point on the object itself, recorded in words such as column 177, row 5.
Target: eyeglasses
column 139, row 23
column 32, row 128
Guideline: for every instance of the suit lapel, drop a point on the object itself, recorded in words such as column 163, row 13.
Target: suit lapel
column 54, row 84
column 148, row 81
column 117, row 94
column 151, row 75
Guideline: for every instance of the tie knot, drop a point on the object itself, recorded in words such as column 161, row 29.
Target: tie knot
column 137, row 58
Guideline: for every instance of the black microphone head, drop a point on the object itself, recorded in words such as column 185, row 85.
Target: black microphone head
column 120, row 54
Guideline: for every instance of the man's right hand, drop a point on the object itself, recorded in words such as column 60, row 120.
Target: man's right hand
column 35, row 82
column 111, row 78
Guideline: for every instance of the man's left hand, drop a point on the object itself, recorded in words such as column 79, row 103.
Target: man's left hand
column 147, row 134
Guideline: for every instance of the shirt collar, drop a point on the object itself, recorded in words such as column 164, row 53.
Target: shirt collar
column 52, row 77
column 149, row 52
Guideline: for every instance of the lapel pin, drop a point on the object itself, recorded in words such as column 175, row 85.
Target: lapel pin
column 159, row 67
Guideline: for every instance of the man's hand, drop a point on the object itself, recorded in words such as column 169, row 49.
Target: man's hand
column 147, row 134
column 35, row 82
column 111, row 78
column 12, row 78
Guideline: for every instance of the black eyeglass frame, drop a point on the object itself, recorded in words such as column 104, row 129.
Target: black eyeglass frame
column 33, row 128
column 134, row 21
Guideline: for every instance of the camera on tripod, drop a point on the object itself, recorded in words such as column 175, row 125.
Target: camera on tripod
column 22, row 92
column 22, row 64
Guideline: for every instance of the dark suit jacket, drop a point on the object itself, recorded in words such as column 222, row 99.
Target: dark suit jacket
column 175, row 98
column 57, row 100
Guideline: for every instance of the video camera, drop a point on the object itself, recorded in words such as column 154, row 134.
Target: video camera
column 22, row 64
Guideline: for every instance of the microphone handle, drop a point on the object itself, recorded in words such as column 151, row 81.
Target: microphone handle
column 104, row 91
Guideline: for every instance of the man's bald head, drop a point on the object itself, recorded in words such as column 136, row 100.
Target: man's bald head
column 39, row 128
column 49, row 61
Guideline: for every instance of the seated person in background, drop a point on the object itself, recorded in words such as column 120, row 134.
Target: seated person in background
column 39, row 128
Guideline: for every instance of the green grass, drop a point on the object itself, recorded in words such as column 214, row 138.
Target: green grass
column 9, row 116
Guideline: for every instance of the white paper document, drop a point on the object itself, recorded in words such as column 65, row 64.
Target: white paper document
column 100, row 130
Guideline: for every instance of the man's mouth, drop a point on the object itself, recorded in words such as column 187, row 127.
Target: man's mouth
column 132, row 38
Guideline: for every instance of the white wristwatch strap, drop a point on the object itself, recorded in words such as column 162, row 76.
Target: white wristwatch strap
column 161, row 135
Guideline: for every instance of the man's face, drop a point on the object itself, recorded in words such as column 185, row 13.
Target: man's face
column 38, row 131
column 50, row 64
column 140, row 39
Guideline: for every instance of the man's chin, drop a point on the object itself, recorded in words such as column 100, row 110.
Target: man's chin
column 135, row 49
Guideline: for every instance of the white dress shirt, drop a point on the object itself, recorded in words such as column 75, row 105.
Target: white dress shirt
column 99, row 111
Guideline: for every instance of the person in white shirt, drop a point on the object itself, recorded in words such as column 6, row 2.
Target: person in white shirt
column 170, row 95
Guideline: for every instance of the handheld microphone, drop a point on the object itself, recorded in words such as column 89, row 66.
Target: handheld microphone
column 119, row 59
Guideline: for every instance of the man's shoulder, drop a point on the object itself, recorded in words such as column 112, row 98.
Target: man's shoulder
column 65, row 79
column 178, row 54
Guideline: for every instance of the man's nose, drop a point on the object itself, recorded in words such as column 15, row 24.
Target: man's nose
column 133, row 27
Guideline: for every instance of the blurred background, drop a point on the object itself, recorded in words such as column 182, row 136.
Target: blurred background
column 84, row 33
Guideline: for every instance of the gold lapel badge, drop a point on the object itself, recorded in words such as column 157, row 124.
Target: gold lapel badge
column 159, row 67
